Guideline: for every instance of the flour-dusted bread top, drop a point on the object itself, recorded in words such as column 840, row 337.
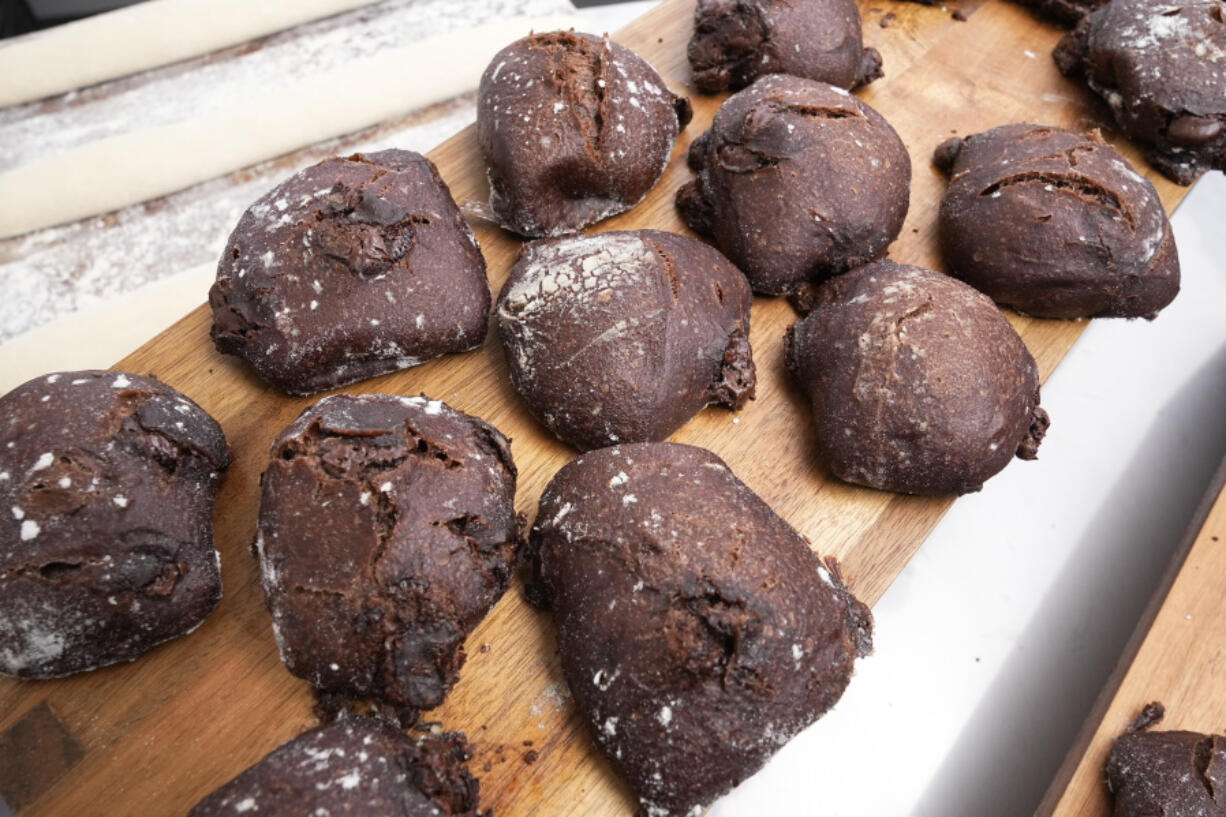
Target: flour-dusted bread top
column 356, row 767
column 1161, row 68
column 355, row 267
column 918, row 383
column 624, row 336
column 1174, row 774
column 107, row 483
column 796, row 181
column 387, row 531
column 1055, row 224
column 698, row 630
column 573, row 129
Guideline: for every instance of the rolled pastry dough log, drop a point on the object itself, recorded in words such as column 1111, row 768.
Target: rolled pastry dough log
column 98, row 336
column 143, row 36
column 118, row 171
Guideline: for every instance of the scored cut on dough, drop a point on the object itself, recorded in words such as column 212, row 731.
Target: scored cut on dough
column 121, row 170
column 144, row 36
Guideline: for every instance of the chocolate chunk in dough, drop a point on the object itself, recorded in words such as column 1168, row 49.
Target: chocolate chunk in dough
column 737, row 41
column 917, row 381
column 353, row 268
column 386, row 533
column 574, row 129
column 1055, row 224
column 797, row 181
column 107, row 481
column 698, row 630
column 358, row 767
column 1174, row 774
column 624, row 336
column 1161, row 68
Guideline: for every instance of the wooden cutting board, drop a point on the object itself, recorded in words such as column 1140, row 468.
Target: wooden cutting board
column 1181, row 662
column 154, row 736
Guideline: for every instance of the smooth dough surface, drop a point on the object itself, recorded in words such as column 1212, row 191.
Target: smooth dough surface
column 112, row 173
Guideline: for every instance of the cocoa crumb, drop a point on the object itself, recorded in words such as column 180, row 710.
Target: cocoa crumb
column 885, row 21
column 531, row 756
column 959, row 15
column 1149, row 715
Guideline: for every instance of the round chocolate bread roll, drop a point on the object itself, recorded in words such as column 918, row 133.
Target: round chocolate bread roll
column 387, row 531
column 1055, row 224
column 1175, row 774
column 574, row 129
column 797, row 181
column 1161, row 68
column 737, row 41
column 698, row 630
column 357, row 767
column 624, row 336
column 918, row 383
column 106, row 549
column 353, row 268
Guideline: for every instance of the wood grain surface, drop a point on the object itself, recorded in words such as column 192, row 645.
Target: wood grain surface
column 163, row 731
column 1181, row 661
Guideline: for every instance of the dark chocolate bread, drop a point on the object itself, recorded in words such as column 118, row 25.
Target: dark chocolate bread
column 353, row 268
column 574, row 129
column 1055, row 224
column 1173, row 774
column 918, row 383
column 698, row 630
column 624, row 336
column 737, row 41
column 357, row 767
column 1161, row 68
column 106, row 549
column 797, row 181
column 387, row 531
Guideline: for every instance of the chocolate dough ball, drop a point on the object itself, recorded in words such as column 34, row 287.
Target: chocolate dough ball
column 1161, row 67
column 353, row 268
column 737, row 41
column 107, row 480
column 386, row 533
column 918, row 383
column 624, row 336
column 1175, row 774
column 358, row 767
column 698, row 630
column 574, row 129
column 1055, row 224
column 797, row 180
